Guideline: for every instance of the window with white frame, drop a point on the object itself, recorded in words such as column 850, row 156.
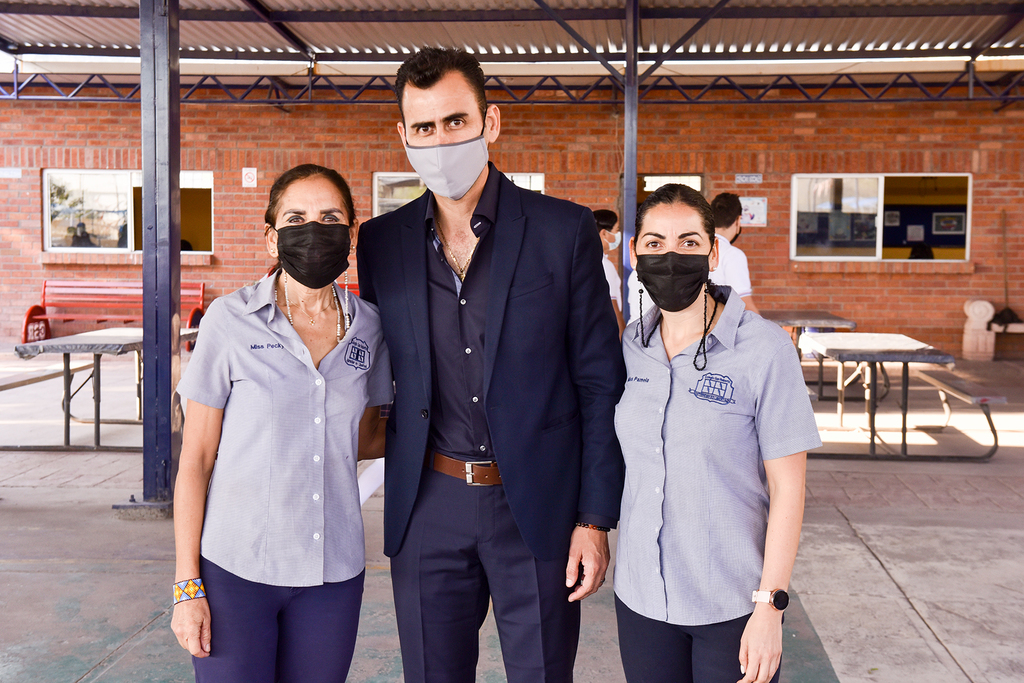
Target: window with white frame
column 102, row 210
column 872, row 217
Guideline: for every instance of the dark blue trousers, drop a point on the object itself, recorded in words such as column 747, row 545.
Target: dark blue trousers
column 658, row 652
column 268, row 634
column 463, row 550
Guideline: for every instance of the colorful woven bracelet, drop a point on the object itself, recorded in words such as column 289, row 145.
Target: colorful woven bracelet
column 593, row 526
column 189, row 590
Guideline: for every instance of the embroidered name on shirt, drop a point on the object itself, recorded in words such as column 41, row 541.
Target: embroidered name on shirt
column 714, row 388
column 637, row 379
column 358, row 354
column 271, row 345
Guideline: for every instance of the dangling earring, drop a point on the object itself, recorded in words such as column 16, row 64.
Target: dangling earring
column 640, row 304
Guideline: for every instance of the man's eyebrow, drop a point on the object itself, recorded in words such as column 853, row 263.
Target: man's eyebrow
column 458, row 115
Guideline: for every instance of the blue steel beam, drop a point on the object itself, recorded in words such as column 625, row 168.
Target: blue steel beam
column 690, row 32
column 899, row 87
column 569, row 14
column 627, row 217
column 264, row 14
column 161, row 242
column 579, row 39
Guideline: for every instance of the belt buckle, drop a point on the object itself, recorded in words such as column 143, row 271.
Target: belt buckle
column 469, row 470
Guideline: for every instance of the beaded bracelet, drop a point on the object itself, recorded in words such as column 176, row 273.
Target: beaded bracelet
column 189, row 590
column 593, row 526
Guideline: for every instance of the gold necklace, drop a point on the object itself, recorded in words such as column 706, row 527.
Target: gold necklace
column 460, row 269
column 337, row 307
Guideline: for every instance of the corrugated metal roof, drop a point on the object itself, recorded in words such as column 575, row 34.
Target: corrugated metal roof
column 743, row 30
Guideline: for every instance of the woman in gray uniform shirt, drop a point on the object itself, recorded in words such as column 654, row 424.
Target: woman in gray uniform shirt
column 714, row 424
column 283, row 392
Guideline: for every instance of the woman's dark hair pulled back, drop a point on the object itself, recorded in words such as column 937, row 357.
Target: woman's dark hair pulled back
column 302, row 172
column 674, row 193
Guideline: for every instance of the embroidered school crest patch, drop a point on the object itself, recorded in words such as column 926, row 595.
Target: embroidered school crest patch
column 358, row 354
column 714, row 388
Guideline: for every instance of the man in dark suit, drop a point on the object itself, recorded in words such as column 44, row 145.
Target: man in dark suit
column 503, row 471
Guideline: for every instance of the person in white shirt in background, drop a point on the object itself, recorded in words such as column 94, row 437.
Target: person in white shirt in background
column 732, row 262
column 611, row 239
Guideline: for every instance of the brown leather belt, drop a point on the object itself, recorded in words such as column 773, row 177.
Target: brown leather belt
column 474, row 473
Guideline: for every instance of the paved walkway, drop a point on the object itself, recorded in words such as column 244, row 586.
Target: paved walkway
column 907, row 571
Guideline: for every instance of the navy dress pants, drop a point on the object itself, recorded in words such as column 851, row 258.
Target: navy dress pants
column 267, row 634
column 463, row 550
column 658, row 652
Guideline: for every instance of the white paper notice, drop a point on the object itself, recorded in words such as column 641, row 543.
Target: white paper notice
column 248, row 177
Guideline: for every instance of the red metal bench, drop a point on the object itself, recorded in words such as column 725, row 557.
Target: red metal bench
column 103, row 300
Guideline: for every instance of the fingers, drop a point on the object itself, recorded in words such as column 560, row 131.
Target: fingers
column 191, row 625
column 759, row 670
column 593, row 577
column 572, row 570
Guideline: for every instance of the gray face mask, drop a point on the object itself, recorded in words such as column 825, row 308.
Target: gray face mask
column 450, row 170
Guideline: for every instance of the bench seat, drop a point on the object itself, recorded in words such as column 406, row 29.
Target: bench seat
column 100, row 301
column 951, row 384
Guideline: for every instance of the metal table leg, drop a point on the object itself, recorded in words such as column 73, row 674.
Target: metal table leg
column 67, row 399
column 96, row 357
column 871, row 400
column 906, row 394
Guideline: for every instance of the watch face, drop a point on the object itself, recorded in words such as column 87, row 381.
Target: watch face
column 780, row 600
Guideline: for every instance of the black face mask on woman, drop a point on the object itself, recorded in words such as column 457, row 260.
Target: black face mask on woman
column 673, row 280
column 314, row 254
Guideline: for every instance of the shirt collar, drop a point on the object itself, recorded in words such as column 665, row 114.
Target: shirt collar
column 486, row 212
column 724, row 331
column 264, row 294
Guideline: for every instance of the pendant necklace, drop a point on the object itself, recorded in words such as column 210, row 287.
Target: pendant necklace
column 337, row 307
column 460, row 269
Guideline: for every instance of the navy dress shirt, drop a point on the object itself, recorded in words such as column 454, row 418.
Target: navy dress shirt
column 458, row 314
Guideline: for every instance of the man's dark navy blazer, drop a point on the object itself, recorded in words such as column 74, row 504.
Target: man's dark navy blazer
column 553, row 364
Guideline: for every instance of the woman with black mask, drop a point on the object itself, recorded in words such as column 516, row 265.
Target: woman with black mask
column 714, row 425
column 283, row 394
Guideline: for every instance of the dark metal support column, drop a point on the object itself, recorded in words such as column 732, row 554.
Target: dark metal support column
column 161, row 245
column 629, row 128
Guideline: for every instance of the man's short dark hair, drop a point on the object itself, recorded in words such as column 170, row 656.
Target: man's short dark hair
column 606, row 219
column 428, row 66
column 727, row 209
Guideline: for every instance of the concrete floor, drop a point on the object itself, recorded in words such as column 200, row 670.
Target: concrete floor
column 907, row 571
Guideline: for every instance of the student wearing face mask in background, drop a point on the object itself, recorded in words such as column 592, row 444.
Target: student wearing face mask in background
column 503, row 472
column 283, row 394
column 714, row 424
column 732, row 262
column 611, row 237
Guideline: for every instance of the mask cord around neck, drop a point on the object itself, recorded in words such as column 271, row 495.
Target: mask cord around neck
column 703, row 347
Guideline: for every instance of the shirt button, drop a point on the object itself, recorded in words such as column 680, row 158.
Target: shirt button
column 462, row 301
column 483, row 448
column 661, row 410
column 657, row 489
column 316, row 496
column 316, row 420
column 319, row 382
column 316, row 458
column 476, row 399
column 468, row 350
column 424, row 413
column 658, row 449
column 316, row 537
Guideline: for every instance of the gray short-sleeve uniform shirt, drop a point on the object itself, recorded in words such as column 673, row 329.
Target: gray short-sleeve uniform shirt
column 695, row 504
column 283, row 503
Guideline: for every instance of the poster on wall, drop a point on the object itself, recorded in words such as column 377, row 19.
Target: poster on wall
column 755, row 212
column 915, row 233
column 892, row 219
column 838, row 226
column 949, row 223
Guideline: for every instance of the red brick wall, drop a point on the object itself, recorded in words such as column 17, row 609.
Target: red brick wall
column 579, row 150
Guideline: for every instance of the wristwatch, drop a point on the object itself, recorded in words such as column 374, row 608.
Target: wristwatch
column 779, row 599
